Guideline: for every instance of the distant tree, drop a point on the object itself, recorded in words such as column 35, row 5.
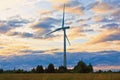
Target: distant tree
column 62, row 69
column 81, row 67
column 33, row 70
column 109, row 71
column 50, row 68
column 39, row 69
column 20, row 71
column 89, row 68
column 99, row 71
column 1, row 71
column 46, row 70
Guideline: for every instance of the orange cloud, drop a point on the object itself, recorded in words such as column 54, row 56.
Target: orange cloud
column 106, row 35
column 13, row 45
column 45, row 12
column 97, row 18
column 102, row 8
column 59, row 1
column 106, row 68
column 84, row 47
column 73, row 10
column 75, row 32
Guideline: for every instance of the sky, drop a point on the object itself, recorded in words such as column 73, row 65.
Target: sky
column 94, row 30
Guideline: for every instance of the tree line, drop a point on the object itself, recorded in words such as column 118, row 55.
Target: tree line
column 81, row 67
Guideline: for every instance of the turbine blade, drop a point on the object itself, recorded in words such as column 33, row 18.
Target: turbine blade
column 58, row 29
column 63, row 16
column 67, row 39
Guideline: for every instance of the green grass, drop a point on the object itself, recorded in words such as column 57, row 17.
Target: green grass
column 113, row 76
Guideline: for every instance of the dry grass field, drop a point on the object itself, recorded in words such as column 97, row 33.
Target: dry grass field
column 66, row 76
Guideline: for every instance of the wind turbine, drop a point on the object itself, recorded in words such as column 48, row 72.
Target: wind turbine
column 63, row 28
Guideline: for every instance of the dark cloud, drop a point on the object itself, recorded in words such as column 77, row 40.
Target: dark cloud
column 116, row 7
column 4, row 27
column 44, row 26
column 46, row 23
column 87, row 30
column 7, row 25
column 73, row 3
column 13, row 33
column 91, row 5
column 111, row 26
column 1, row 47
column 33, row 51
column 32, row 60
column 72, row 7
column 112, row 37
column 17, row 22
column 110, row 32
column 116, row 15
column 115, row 3
column 27, row 35
column 39, row 51
column 83, row 20
column 21, row 34
column 106, row 19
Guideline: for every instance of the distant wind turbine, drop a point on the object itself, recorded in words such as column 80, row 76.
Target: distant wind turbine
column 65, row 36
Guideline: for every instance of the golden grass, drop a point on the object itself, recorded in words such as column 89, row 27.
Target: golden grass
column 113, row 76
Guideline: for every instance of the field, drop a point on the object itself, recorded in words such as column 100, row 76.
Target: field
column 113, row 76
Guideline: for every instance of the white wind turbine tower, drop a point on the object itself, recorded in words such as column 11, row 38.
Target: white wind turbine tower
column 63, row 28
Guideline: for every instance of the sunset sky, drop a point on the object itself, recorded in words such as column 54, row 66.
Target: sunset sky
column 94, row 29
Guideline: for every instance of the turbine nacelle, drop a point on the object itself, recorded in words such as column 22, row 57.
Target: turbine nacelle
column 58, row 29
column 67, row 27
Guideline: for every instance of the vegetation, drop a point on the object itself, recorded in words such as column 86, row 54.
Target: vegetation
column 1, row 70
column 55, row 73
column 65, row 76
column 81, row 67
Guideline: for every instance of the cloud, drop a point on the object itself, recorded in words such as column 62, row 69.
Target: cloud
column 104, row 19
column 27, row 35
column 32, row 51
column 74, row 7
column 111, row 26
column 115, row 3
column 3, row 27
column 12, row 45
column 59, row 1
column 7, row 25
column 17, row 21
column 51, row 51
column 43, row 26
column 75, row 32
column 102, row 8
column 19, row 34
column 91, row 5
column 12, row 50
column 107, row 35
column 82, row 21
column 101, row 14
column 45, row 12
column 45, row 23
column 98, row 18
column 116, row 14
column 107, row 67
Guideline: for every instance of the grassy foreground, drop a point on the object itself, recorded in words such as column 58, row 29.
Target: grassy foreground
column 111, row 76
